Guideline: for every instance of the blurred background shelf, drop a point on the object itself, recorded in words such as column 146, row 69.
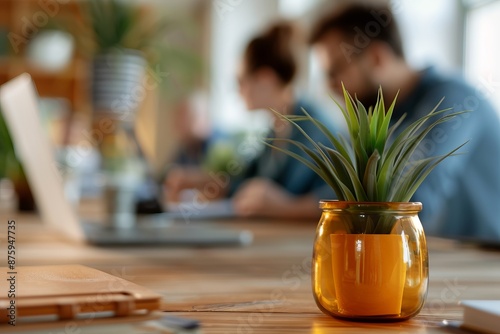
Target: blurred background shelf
column 70, row 83
column 176, row 72
column 20, row 21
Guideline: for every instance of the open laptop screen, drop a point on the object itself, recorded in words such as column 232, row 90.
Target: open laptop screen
column 19, row 105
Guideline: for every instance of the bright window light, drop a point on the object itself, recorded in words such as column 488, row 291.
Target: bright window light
column 483, row 50
column 295, row 8
column 431, row 32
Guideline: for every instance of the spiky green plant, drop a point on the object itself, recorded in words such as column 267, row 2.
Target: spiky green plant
column 373, row 166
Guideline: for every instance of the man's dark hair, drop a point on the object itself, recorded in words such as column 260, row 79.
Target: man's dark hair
column 375, row 22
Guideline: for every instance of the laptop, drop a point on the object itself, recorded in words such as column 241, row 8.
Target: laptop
column 19, row 105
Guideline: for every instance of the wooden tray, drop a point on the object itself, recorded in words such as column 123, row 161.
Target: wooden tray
column 70, row 290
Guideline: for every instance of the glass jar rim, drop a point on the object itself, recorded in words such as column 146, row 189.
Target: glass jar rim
column 335, row 205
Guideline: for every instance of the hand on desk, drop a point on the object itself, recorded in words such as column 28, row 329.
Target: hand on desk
column 259, row 197
column 182, row 178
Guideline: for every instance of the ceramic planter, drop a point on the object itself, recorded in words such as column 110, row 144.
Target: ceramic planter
column 117, row 83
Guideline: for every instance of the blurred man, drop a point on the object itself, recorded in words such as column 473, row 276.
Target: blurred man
column 361, row 46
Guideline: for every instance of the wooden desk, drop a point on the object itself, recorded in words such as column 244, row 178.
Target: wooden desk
column 263, row 288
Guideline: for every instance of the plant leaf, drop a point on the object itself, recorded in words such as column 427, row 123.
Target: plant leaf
column 358, row 187
column 334, row 141
column 370, row 178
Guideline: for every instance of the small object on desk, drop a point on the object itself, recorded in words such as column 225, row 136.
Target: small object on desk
column 455, row 327
column 170, row 325
column 179, row 323
column 482, row 315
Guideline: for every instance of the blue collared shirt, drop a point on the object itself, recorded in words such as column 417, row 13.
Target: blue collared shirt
column 461, row 196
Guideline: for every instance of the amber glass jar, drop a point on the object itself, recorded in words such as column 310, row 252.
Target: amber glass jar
column 370, row 261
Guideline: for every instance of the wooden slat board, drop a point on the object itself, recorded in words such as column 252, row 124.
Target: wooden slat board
column 264, row 288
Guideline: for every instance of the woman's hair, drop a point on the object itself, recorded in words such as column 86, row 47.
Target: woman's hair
column 274, row 50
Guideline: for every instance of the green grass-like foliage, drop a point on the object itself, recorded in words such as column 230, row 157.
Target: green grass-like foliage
column 118, row 24
column 372, row 166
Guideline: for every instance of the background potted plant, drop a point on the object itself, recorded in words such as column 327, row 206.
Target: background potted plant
column 370, row 257
column 120, row 36
column 127, row 42
column 124, row 39
column 131, row 46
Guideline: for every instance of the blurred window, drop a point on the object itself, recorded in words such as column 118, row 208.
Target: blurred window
column 431, row 32
column 482, row 49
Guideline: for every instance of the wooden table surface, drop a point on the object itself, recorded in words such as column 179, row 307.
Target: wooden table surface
column 265, row 287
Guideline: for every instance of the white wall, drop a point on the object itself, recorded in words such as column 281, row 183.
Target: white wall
column 432, row 32
column 483, row 50
column 234, row 23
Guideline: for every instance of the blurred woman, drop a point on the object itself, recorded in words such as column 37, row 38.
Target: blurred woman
column 273, row 184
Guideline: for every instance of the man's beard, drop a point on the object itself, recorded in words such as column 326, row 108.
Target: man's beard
column 369, row 100
column 368, row 94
